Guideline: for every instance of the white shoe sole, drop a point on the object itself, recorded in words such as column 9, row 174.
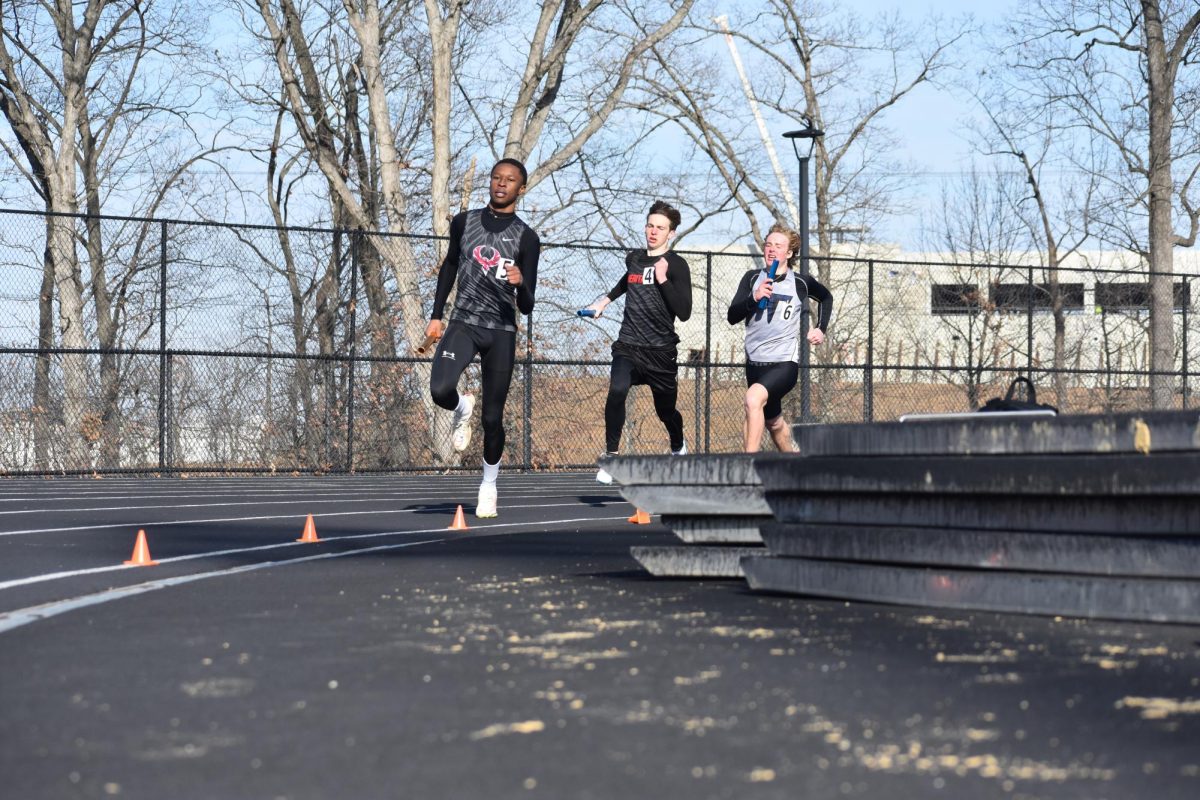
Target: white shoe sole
column 604, row 478
column 485, row 504
column 461, row 437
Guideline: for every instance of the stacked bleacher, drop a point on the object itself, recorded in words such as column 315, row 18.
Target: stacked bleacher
column 1090, row 516
column 713, row 503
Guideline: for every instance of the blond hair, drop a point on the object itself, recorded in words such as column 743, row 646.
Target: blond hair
column 793, row 240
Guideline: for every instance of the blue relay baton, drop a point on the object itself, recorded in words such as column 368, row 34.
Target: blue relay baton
column 585, row 312
column 770, row 276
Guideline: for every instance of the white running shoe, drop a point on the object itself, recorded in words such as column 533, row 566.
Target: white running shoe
column 602, row 476
column 682, row 451
column 485, row 506
column 462, row 424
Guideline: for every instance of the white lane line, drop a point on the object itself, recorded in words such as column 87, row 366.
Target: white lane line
column 298, row 515
column 200, row 476
column 24, row 616
column 246, row 491
column 9, row 494
column 45, row 498
column 262, row 502
column 8, row 488
column 475, row 529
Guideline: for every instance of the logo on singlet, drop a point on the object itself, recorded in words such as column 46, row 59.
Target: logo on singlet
column 777, row 300
column 486, row 256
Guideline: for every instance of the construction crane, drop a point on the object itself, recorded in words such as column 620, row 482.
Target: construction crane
column 723, row 22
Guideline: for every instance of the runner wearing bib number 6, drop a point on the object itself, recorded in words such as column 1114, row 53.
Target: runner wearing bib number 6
column 773, row 335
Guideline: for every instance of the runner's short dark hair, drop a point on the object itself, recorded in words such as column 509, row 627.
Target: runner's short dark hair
column 520, row 168
column 667, row 210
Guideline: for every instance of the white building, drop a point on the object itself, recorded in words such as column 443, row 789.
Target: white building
column 929, row 310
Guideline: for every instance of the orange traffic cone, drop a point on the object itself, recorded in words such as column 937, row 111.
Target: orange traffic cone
column 310, row 531
column 141, row 552
column 460, row 522
column 640, row 518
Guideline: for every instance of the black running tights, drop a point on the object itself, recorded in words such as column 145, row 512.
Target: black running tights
column 497, row 351
column 625, row 375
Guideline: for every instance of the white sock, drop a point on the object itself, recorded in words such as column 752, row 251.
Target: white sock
column 491, row 472
column 462, row 404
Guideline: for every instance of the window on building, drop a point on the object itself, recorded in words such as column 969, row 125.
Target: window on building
column 1018, row 298
column 954, row 298
column 1126, row 296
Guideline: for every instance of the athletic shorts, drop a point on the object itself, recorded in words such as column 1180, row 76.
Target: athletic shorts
column 777, row 377
column 656, row 368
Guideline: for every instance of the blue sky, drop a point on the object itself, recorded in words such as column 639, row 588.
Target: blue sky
column 928, row 123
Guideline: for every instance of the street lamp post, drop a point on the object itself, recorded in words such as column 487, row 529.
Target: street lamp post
column 810, row 133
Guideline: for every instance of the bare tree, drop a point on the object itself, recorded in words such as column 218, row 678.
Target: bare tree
column 372, row 33
column 983, row 240
column 42, row 97
column 1056, row 209
column 810, row 64
column 86, row 109
column 330, row 60
column 1121, row 69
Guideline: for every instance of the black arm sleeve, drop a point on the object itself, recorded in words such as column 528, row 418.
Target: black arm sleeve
column 619, row 289
column 677, row 289
column 449, row 269
column 742, row 305
column 822, row 295
column 531, row 253
column 622, row 283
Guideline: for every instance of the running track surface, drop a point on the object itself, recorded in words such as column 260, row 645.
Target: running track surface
column 526, row 657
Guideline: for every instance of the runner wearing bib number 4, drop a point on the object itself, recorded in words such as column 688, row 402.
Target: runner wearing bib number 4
column 657, row 285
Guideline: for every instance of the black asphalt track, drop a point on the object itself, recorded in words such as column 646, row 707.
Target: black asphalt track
column 526, row 657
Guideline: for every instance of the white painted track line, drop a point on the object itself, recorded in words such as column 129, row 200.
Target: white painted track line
column 25, row 616
column 259, row 518
column 308, row 499
column 475, row 530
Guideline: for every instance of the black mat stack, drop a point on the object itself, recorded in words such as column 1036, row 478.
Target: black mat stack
column 1088, row 516
column 713, row 503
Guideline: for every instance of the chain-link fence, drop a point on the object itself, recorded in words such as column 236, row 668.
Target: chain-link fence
column 166, row 346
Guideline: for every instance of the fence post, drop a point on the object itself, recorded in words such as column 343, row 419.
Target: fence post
column 527, row 455
column 162, row 347
column 170, row 425
column 708, row 355
column 869, row 365
column 1187, row 302
column 805, row 359
column 356, row 243
column 1029, row 327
